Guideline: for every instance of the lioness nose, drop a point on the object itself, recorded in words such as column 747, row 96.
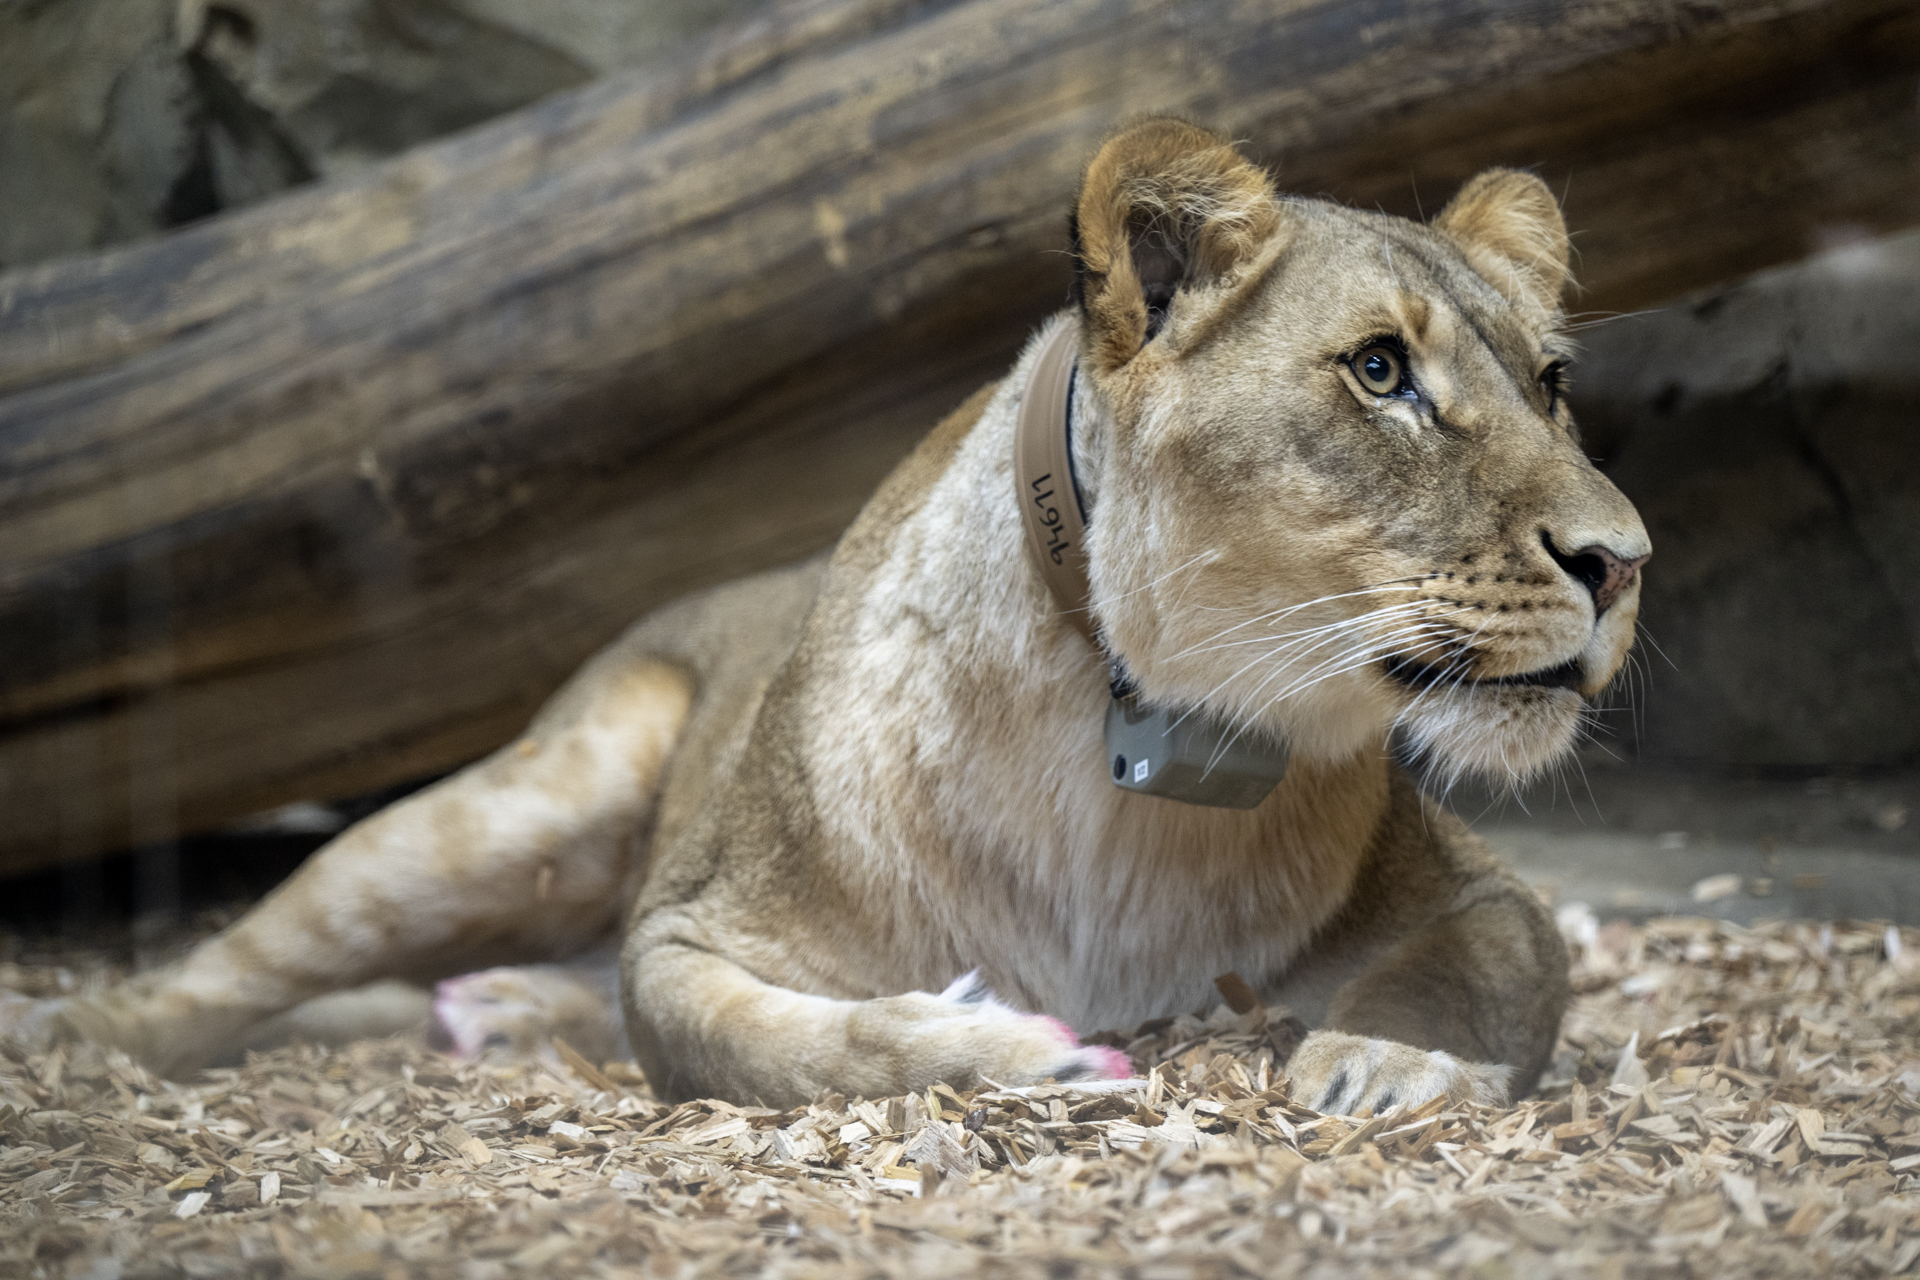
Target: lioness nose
column 1604, row 574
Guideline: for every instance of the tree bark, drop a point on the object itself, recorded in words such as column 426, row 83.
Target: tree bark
column 330, row 492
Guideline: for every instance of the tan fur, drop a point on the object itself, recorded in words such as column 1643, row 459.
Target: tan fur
column 1509, row 227
column 889, row 774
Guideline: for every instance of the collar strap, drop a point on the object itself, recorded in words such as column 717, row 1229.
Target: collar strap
column 1050, row 509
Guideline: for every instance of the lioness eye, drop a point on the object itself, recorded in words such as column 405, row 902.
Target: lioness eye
column 1553, row 379
column 1379, row 370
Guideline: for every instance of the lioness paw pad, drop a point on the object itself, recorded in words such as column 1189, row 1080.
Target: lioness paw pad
column 1338, row 1074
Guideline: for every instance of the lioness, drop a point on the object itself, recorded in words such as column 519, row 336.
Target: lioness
column 1334, row 490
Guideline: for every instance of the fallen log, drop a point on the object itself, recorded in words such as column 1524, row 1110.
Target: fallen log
column 330, row 492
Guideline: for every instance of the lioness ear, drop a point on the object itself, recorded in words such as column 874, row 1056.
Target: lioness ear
column 1165, row 205
column 1509, row 226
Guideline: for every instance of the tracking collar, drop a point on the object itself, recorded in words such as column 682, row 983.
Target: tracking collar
column 1186, row 756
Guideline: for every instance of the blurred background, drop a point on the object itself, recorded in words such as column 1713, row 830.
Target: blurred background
column 365, row 364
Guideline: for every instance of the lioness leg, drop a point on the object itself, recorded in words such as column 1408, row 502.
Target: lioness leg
column 702, row 1026
column 1465, row 1003
column 527, row 855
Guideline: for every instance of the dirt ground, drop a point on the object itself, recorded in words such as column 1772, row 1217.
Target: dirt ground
column 1641, row 843
column 1726, row 1101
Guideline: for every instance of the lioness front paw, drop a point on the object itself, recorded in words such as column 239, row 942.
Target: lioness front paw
column 1032, row 1046
column 965, row 1036
column 1338, row 1074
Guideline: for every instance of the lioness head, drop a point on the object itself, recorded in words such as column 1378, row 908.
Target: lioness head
column 1334, row 481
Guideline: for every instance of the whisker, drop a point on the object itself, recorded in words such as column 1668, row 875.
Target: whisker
column 1333, row 635
column 1288, row 610
column 1599, row 318
column 1355, row 658
column 1148, row 586
column 1641, row 627
column 1387, row 611
column 1321, row 636
column 1386, row 643
column 1342, row 663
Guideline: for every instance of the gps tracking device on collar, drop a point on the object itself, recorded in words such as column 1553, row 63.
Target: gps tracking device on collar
column 1157, row 751
column 1188, row 756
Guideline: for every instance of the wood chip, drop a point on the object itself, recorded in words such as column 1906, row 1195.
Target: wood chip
column 1725, row 1100
column 1237, row 992
column 577, row 1061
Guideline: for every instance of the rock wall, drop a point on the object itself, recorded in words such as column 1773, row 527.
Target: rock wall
column 119, row 118
column 1770, row 432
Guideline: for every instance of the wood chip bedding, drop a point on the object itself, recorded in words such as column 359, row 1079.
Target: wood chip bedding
column 1725, row 1102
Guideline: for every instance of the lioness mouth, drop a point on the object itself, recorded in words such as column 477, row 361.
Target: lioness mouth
column 1416, row 675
